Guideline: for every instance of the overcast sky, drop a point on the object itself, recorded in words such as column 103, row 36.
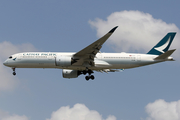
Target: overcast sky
column 145, row 93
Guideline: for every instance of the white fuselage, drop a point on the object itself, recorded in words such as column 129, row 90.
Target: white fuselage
column 89, row 58
column 101, row 60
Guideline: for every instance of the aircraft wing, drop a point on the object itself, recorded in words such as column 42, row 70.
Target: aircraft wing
column 108, row 70
column 86, row 56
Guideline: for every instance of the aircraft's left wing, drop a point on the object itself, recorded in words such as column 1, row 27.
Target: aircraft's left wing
column 86, row 56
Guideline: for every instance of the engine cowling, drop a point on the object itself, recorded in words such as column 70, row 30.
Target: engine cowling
column 70, row 73
column 63, row 61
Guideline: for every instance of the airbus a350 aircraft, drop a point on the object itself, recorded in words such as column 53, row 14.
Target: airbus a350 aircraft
column 91, row 59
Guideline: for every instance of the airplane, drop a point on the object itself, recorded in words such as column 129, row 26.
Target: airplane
column 90, row 59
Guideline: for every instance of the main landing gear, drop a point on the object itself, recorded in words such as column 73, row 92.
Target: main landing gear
column 14, row 72
column 89, row 76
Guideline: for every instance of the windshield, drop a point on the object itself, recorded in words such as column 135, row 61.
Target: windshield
column 10, row 57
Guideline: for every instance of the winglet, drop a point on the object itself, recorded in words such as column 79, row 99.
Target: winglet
column 112, row 30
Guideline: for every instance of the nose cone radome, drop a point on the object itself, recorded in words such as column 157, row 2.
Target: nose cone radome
column 5, row 63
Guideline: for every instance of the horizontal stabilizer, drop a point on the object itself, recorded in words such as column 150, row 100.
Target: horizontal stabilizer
column 165, row 55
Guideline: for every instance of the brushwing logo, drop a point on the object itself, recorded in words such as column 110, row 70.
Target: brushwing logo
column 161, row 48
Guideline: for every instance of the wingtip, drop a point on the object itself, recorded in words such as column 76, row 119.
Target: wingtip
column 112, row 30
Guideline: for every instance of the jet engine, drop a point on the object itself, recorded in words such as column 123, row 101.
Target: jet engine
column 70, row 73
column 63, row 61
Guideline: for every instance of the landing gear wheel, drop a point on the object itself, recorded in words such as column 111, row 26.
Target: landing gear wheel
column 87, row 78
column 14, row 73
column 92, row 77
column 89, row 71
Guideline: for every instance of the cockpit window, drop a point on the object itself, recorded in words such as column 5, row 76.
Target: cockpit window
column 10, row 57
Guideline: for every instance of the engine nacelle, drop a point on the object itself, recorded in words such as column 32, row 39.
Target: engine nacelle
column 70, row 73
column 63, row 61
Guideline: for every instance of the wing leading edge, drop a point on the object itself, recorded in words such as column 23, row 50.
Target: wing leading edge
column 86, row 56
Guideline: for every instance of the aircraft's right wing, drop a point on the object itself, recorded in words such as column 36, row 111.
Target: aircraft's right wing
column 108, row 70
column 86, row 56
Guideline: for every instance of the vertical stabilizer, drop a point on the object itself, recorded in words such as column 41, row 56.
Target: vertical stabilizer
column 163, row 45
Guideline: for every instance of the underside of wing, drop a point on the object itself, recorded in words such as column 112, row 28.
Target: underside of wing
column 108, row 70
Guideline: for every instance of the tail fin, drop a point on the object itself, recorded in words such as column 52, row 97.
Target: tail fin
column 163, row 45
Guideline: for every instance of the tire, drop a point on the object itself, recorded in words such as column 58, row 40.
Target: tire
column 87, row 78
column 92, row 77
column 14, row 73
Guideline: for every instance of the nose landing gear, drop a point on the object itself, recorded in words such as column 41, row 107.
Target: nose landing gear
column 14, row 72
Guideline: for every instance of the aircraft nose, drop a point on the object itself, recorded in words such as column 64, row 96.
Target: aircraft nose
column 5, row 63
